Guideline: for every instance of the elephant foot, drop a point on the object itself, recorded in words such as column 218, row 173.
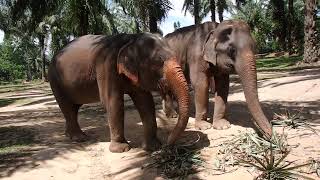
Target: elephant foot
column 151, row 145
column 118, row 147
column 220, row 124
column 77, row 136
column 202, row 125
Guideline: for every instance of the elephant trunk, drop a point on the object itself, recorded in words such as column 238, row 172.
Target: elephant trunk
column 178, row 85
column 246, row 69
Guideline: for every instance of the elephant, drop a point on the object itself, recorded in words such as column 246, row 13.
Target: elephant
column 208, row 53
column 95, row 68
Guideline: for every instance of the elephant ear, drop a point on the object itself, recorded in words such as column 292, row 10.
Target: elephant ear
column 209, row 53
column 214, row 42
column 126, row 62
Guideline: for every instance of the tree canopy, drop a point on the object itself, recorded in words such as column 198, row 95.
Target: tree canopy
column 36, row 29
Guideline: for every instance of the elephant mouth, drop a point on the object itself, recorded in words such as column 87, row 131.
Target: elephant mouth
column 229, row 68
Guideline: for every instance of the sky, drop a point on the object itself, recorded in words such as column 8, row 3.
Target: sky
column 174, row 15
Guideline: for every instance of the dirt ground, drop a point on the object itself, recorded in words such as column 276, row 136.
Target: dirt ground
column 50, row 155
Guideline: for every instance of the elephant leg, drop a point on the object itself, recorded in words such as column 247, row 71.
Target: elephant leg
column 222, row 91
column 200, row 83
column 112, row 99
column 145, row 105
column 115, row 110
column 70, row 113
column 168, row 107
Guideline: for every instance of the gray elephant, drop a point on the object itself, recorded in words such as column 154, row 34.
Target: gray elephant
column 96, row 68
column 208, row 53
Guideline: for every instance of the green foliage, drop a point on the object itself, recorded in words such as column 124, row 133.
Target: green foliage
column 11, row 62
column 257, row 13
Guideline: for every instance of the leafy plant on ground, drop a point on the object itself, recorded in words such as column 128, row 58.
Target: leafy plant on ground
column 274, row 166
column 269, row 158
column 292, row 120
column 176, row 161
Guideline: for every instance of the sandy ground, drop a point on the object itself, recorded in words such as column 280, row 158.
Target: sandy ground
column 54, row 157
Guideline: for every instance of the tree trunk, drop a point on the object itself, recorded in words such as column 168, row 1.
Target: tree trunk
column 29, row 75
column 196, row 12
column 221, row 5
column 279, row 19
column 311, row 46
column 290, row 23
column 213, row 10
column 137, row 26
column 83, row 18
column 153, row 26
column 43, row 56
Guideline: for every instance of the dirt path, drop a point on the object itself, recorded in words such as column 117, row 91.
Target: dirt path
column 34, row 114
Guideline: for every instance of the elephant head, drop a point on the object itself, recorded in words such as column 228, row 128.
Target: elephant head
column 230, row 47
column 150, row 64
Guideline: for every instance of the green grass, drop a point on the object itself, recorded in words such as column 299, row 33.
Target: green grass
column 278, row 63
column 6, row 102
column 14, row 139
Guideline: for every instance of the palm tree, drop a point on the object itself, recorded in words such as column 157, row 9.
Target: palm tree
column 149, row 12
column 194, row 7
column 221, row 6
column 213, row 10
column 278, row 15
column 290, row 22
column 311, row 46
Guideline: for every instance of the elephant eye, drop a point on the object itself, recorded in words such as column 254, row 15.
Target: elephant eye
column 232, row 52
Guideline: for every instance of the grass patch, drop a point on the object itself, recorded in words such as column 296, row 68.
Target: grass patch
column 13, row 139
column 19, row 86
column 279, row 63
column 23, row 87
column 6, row 102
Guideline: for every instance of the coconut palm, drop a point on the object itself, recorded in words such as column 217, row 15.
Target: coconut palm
column 280, row 24
column 311, row 45
column 193, row 6
column 149, row 12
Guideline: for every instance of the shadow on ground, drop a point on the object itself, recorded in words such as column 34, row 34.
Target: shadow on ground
column 29, row 137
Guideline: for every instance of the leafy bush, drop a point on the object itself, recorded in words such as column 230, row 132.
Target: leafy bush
column 11, row 65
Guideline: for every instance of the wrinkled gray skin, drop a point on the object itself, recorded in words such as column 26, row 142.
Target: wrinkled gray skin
column 208, row 53
column 96, row 68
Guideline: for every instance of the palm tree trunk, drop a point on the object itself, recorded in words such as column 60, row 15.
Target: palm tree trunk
column 137, row 26
column 83, row 18
column 28, row 70
column 153, row 27
column 43, row 56
column 196, row 12
column 280, row 21
column 311, row 46
column 221, row 5
column 213, row 10
column 290, row 19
